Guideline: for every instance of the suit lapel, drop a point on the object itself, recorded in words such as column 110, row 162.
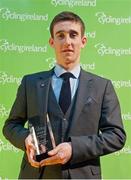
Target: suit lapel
column 43, row 85
column 83, row 93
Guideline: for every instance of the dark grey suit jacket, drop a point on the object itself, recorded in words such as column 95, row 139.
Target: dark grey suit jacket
column 96, row 128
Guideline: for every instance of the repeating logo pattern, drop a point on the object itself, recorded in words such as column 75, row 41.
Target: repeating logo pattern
column 7, row 14
column 20, row 38
column 74, row 3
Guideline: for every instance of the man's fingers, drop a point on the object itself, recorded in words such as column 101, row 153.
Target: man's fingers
column 31, row 160
column 59, row 158
column 35, row 164
column 59, row 155
column 30, row 151
column 56, row 159
column 42, row 148
column 54, row 151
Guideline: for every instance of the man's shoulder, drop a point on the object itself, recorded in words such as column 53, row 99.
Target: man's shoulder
column 97, row 81
column 94, row 76
column 42, row 74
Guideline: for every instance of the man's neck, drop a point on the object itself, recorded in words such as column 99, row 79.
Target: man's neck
column 68, row 67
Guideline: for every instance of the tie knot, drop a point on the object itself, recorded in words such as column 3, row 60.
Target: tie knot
column 67, row 75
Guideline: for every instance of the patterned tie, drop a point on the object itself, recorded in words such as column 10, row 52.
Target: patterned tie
column 65, row 93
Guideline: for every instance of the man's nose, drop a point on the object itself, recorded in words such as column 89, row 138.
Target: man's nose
column 67, row 40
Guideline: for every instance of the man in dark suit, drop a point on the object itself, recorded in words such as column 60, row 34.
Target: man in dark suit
column 86, row 124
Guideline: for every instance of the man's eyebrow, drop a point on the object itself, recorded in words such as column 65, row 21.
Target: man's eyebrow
column 70, row 31
column 58, row 32
column 73, row 31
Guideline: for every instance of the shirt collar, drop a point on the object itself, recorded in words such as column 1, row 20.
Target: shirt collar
column 60, row 70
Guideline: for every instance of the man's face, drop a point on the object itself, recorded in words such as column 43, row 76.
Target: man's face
column 67, row 43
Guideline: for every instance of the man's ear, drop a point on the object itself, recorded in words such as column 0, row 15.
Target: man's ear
column 51, row 42
column 84, row 41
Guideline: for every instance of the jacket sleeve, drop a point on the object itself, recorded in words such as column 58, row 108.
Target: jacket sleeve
column 111, row 135
column 14, row 129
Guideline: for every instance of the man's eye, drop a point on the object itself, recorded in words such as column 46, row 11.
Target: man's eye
column 61, row 36
column 73, row 35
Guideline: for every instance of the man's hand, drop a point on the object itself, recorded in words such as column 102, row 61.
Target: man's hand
column 59, row 155
column 30, row 151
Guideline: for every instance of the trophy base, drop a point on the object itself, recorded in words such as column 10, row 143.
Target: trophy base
column 41, row 157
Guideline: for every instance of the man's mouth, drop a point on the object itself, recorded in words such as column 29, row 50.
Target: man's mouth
column 67, row 50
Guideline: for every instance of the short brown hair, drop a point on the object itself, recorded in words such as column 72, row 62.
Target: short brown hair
column 67, row 16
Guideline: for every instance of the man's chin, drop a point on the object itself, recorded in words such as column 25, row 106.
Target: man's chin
column 69, row 61
column 69, row 64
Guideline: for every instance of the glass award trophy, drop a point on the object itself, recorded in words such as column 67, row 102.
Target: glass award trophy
column 39, row 137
